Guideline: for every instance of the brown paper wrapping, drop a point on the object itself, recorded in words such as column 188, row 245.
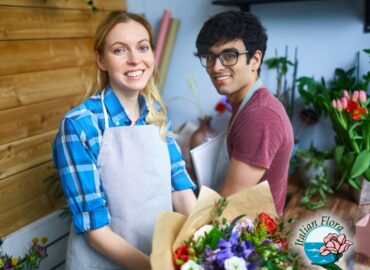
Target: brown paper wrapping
column 173, row 228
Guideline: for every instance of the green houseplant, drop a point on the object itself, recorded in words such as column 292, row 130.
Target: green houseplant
column 316, row 172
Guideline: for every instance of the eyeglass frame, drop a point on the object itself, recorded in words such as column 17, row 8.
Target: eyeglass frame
column 218, row 56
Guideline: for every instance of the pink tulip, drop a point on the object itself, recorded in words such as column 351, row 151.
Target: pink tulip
column 344, row 102
column 362, row 96
column 339, row 105
column 346, row 94
column 334, row 103
column 355, row 96
column 335, row 244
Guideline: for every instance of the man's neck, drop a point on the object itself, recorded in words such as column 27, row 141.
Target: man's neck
column 238, row 96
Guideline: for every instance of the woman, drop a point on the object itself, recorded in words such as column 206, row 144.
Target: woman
column 117, row 163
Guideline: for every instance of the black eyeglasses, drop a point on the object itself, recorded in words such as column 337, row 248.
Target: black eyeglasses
column 227, row 58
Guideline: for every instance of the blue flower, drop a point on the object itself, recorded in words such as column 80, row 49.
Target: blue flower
column 228, row 249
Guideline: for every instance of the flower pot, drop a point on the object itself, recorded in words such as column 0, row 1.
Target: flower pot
column 203, row 133
column 361, row 196
column 307, row 175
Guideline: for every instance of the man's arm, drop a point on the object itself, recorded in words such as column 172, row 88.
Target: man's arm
column 239, row 176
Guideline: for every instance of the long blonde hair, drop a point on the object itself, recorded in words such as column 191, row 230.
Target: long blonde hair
column 150, row 92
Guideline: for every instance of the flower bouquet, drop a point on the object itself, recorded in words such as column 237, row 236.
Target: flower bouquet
column 238, row 232
column 351, row 123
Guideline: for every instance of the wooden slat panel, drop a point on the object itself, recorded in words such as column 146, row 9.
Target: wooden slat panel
column 29, row 56
column 28, row 88
column 24, row 214
column 34, row 119
column 70, row 4
column 25, row 186
column 38, row 23
column 24, row 154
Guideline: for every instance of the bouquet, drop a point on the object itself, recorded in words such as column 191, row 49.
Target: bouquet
column 238, row 232
column 351, row 123
column 30, row 261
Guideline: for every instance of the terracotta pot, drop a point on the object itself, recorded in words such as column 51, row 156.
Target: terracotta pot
column 203, row 133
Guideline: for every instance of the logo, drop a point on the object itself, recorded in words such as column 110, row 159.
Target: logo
column 323, row 241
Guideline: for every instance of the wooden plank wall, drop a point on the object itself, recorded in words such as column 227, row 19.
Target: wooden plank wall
column 46, row 68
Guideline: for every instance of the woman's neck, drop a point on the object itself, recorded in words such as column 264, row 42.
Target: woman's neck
column 130, row 102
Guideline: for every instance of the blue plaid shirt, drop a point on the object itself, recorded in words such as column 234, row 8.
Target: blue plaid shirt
column 75, row 153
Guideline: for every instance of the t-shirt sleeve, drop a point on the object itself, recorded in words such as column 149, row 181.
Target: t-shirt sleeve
column 256, row 137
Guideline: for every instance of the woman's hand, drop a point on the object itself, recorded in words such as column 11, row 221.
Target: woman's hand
column 119, row 250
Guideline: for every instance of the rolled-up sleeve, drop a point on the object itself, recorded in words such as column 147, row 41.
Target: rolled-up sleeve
column 180, row 178
column 79, row 178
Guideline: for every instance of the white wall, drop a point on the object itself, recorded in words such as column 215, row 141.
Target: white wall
column 327, row 33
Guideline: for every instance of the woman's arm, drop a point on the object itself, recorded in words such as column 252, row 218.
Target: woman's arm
column 113, row 246
column 183, row 201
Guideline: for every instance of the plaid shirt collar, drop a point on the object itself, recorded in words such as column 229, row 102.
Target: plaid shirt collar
column 115, row 109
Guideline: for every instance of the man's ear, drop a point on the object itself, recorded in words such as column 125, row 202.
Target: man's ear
column 100, row 61
column 255, row 61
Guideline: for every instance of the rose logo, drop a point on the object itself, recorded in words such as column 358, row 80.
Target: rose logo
column 324, row 246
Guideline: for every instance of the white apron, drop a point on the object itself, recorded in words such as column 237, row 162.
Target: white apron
column 135, row 170
column 223, row 159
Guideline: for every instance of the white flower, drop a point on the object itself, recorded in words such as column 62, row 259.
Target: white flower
column 234, row 263
column 202, row 231
column 244, row 224
column 191, row 265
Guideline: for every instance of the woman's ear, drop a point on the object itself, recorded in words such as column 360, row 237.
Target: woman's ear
column 256, row 60
column 100, row 61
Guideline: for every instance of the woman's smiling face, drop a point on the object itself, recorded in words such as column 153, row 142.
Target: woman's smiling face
column 128, row 57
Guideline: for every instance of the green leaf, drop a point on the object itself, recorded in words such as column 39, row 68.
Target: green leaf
column 339, row 150
column 355, row 182
column 361, row 164
column 367, row 174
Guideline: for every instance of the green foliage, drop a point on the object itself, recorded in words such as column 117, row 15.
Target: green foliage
column 285, row 93
column 320, row 185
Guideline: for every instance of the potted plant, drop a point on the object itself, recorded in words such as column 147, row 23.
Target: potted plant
column 316, row 169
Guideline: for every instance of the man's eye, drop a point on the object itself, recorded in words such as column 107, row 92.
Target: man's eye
column 119, row 51
column 228, row 56
column 210, row 57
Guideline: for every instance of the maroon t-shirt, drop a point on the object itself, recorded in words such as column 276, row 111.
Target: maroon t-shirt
column 262, row 136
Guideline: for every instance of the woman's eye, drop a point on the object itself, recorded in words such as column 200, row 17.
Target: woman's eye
column 119, row 51
column 144, row 48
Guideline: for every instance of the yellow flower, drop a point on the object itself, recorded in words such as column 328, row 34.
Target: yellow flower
column 35, row 240
column 44, row 240
column 15, row 261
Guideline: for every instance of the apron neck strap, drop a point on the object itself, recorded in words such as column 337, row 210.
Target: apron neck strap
column 106, row 122
column 247, row 97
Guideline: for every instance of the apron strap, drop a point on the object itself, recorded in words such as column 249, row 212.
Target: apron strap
column 106, row 122
column 246, row 98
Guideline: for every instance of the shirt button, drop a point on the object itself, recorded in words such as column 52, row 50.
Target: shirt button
column 117, row 123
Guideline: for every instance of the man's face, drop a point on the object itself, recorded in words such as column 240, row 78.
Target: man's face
column 234, row 80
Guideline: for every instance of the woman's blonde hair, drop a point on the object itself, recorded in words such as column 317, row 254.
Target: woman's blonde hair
column 155, row 116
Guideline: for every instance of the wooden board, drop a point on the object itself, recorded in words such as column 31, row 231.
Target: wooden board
column 26, row 153
column 29, row 56
column 40, row 23
column 34, row 119
column 69, row 4
column 34, row 87
column 24, row 198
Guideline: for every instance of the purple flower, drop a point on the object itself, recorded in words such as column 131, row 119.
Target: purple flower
column 228, row 249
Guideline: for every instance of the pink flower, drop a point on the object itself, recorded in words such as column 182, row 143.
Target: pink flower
column 335, row 243
column 362, row 96
column 334, row 103
column 346, row 94
column 344, row 102
column 355, row 96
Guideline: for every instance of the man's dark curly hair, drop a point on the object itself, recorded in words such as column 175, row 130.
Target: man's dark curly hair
column 231, row 25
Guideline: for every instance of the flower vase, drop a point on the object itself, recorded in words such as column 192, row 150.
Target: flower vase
column 361, row 196
column 203, row 133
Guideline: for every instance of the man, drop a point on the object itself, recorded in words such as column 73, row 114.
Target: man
column 231, row 46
